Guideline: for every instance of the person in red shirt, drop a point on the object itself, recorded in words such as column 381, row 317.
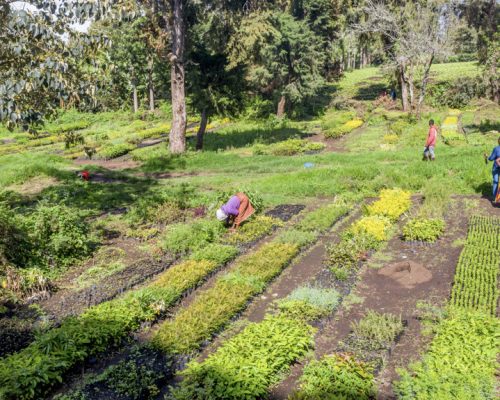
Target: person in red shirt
column 431, row 142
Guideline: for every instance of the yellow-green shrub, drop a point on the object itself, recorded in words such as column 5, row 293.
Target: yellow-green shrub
column 374, row 225
column 391, row 138
column 343, row 129
column 391, row 204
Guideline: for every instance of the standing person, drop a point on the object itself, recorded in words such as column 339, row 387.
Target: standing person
column 431, row 142
column 238, row 209
column 393, row 94
column 495, row 157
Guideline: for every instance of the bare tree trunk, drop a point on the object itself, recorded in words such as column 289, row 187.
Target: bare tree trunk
column 201, row 129
column 281, row 107
column 425, row 79
column 177, row 142
column 403, row 87
column 150, row 85
column 134, row 96
column 411, row 89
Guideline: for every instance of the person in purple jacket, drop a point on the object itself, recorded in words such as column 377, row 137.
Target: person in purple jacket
column 495, row 157
column 237, row 210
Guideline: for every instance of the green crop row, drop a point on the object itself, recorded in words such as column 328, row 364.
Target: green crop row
column 476, row 278
column 246, row 365
column 114, row 151
column 27, row 374
column 288, row 147
column 461, row 361
column 215, row 307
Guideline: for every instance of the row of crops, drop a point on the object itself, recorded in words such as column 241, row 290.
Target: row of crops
column 461, row 361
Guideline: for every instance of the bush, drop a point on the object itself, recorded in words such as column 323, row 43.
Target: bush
column 391, row 204
column 15, row 246
column 309, row 303
column 423, row 229
column 376, row 331
column 391, row 139
column 245, row 366
column 182, row 237
column 458, row 93
column 338, row 376
column 375, row 226
column 61, row 235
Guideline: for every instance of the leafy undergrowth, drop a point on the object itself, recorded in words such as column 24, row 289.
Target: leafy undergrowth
column 339, row 376
column 27, row 374
column 213, row 309
column 343, row 129
column 460, row 364
column 309, row 303
column 288, row 147
column 423, row 229
column 462, row 360
column 247, row 364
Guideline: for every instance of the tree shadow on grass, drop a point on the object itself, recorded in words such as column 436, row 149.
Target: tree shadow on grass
column 484, row 127
column 371, row 92
column 242, row 138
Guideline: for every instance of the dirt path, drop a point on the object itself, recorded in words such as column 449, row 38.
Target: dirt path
column 398, row 293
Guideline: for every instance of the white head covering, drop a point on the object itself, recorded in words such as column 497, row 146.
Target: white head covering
column 221, row 215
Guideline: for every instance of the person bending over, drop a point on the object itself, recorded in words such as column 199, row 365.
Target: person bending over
column 237, row 210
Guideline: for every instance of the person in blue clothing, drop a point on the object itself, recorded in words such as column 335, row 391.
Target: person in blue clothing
column 495, row 157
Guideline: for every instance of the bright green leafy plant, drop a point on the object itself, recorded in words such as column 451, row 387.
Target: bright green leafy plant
column 423, row 229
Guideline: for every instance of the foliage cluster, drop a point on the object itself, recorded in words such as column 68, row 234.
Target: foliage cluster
column 28, row 373
column 338, row 376
column 247, row 364
column 288, row 147
column 323, row 218
column 181, row 238
column 309, row 303
column 367, row 233
column 343, row 129
column 460, row 363
column 391, row 204
column 373, row 225
column 376, row 331
column 423, row 229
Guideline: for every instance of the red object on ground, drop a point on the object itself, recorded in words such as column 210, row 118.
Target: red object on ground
column 85, row 175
